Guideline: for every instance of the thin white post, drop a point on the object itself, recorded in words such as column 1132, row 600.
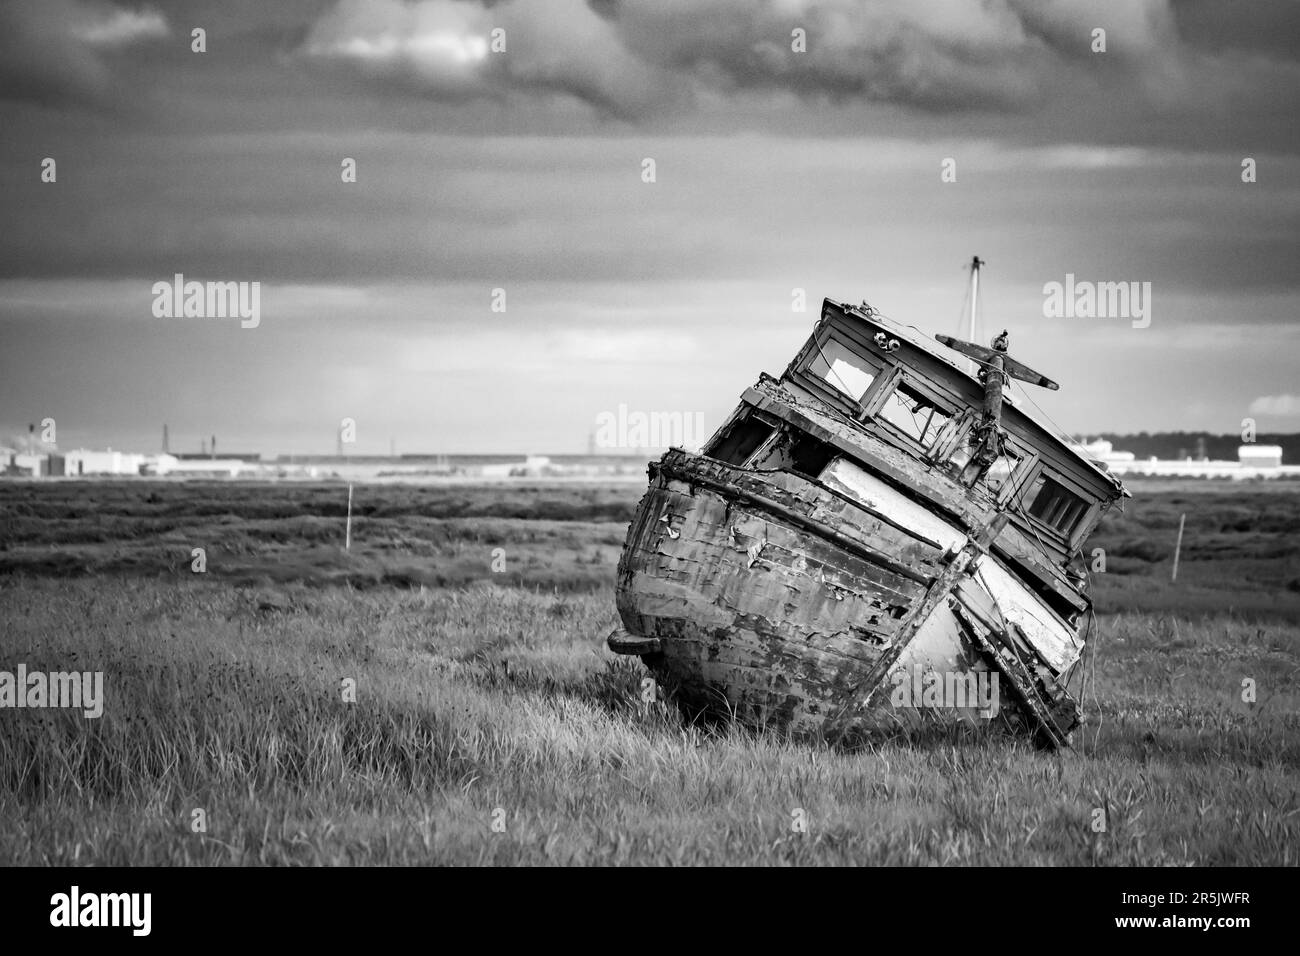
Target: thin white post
column 347, row 541
column 1178, row 547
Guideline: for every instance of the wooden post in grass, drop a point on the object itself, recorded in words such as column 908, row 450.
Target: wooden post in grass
column 1178, row 547
column 347, row 539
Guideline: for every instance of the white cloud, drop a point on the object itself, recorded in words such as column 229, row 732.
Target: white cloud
column 442, row 48
column 114, row 27
column 1280, row 406
column 437, row 43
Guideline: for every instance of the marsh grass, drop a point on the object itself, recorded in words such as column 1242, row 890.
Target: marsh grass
column 494, row 699
column 484, row 698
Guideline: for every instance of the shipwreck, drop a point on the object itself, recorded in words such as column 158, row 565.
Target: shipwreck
column 881, row 518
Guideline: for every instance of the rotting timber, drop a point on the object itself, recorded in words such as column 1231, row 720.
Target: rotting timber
column 875, row 512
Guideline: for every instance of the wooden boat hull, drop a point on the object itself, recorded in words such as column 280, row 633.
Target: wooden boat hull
column 757, row 615
column 775, row 600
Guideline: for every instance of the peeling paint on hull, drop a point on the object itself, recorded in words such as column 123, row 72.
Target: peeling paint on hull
column 745, row 604
column 757, row 619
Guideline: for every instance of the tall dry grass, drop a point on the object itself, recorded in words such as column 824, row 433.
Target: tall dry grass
column 486, row 704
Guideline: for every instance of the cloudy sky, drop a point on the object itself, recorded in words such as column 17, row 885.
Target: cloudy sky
column 521, row 169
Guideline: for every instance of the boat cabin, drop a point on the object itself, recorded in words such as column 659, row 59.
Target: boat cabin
column 869, row 391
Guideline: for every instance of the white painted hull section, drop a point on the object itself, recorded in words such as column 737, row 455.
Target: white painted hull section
column 849, row 479
column 1051, row 637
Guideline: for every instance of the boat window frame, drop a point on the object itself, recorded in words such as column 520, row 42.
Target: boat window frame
column 737, row 421
column 765, row 448
column 821, row 386
column 954, row 435
column 1020, row 478
column 1028, row 454
column 1071, row 541
column 874, row 400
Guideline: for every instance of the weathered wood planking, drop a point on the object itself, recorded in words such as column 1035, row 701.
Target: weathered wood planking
column 757, row 617
column 789, row 497
column 754, row 615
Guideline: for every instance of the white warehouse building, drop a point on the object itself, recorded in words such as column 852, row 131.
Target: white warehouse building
column 83, row 461
column 1260, row 456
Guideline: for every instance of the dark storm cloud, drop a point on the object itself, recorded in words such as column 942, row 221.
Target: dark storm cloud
column 635, row 59
column 59, row 52
column 1184, row 73
column 498, row 210
column 1267, row 27
column 646, row 59
column 926, row 54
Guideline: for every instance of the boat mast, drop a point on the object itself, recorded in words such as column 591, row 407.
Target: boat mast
column 998, row 368
column 975, row 264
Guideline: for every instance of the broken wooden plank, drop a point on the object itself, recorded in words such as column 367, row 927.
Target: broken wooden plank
column 1018, row 678
column 621, row 642
column 802, row 520
column 879, row 498
column 902, row 470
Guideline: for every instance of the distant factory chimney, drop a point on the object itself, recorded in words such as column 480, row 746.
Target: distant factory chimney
column 214, row 446
column 31, row 433
column 166, row 444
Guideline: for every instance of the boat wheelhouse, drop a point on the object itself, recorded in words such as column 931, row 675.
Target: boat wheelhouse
column 877, row 513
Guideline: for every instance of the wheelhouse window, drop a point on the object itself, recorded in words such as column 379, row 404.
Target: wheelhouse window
column 842, row 369
column 1002, row 469
column 1055, row 506
column 740, row 441
column 795, row 451
column 961, row 455
column 1000, row 475
column 914, row 415
column 808, row 456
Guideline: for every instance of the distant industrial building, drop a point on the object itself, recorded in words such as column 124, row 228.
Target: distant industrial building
column 83, row 461
column 532, row 466
column 15, row 464
column 1253, row 461
column 1260, row 456
column 195, row 467
column 207, row 456
column 86, row 463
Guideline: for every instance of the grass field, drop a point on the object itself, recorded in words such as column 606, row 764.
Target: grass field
column 490, row 724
